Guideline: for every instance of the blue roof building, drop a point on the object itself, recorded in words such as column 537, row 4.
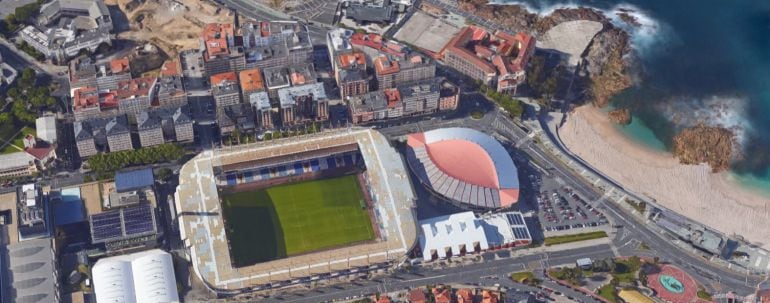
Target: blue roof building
column 134, row 180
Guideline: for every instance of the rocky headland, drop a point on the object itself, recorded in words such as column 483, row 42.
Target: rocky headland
column 705, row 144
column 620, row 116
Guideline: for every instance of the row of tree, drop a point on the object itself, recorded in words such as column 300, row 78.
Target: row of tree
column 111, row 162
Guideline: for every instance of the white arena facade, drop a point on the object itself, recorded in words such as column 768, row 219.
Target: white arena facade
column 203, row 232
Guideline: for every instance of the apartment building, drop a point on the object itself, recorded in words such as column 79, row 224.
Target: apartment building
column 303, row 103
column 136, row 95
column 375, row 106
column 84, row 72
column 220, row 53
column 262, row 109
column 420, row 97
column 392, row 71
column 275, row 44
column 251, row 82
column 351, row 74
column 449, row 96
column 171, row 92
column 278, row 78
column 225, row 89
column 237, row 116
column 88, row 102
column 164, row 125
column 102, row 135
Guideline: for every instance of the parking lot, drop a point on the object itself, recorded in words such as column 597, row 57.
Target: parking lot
column 561, row 209
column 320, row 11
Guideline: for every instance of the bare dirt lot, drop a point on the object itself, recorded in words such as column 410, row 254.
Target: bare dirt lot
column 172, row 25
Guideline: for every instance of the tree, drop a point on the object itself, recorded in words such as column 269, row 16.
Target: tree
column 163, row 174
column 27, row 78
column 5, row 117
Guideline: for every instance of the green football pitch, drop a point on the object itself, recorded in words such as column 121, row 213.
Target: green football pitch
column 295, row 218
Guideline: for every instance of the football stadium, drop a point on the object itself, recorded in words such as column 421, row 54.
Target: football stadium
column 465, row 167
column 295, row 210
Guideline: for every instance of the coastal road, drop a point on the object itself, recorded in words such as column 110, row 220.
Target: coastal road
column 488, row 273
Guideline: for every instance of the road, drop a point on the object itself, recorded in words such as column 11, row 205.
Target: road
column 467, row 274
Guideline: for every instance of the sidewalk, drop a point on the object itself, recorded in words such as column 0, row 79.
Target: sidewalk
column 46, row 67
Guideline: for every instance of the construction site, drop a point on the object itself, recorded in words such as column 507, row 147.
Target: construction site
column 172, row 25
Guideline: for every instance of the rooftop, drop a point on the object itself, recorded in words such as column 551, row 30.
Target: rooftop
column 500, row 53
column 218, row 38
column 366, row 13
column 251, row 80
column 146, row 276
column 170, row 68
column 138, row 87
column 355, row 59
column 31, row 272
column 288, row 96
column 134, row 179
column 259, row 100
column 470, row 157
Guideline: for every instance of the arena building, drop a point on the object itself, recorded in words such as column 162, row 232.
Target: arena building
column 218, row 188
column 464, row 166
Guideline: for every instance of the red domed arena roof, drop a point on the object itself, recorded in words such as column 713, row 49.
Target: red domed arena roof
column 464, row 165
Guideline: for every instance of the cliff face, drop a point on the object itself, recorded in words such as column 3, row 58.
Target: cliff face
column 704, row 144
column 620, row 116
column 606, row 65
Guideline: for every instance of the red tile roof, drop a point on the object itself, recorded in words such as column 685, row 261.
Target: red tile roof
column 39, row 151
column 135, row 87
column 488, row 297
column 215, row 36
column 350, row 59
column 384, row 299
column 443, row 295
column 85, row 97
column 251, row 80
column 417, row 296
column 385, row 66
column 464, row 296
column 170, row 68
column 118, row 66
column 219, row 79
column 498, row 49
column 393, row 97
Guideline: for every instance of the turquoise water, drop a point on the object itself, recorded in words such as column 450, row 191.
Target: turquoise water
column 702, row 62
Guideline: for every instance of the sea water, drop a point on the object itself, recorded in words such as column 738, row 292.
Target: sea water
column 701, row 62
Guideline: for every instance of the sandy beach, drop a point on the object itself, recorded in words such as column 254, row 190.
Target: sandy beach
column 693, row 191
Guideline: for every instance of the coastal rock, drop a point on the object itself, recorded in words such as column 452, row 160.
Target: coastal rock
column 518, row 18
column 620, row 116
column 626, row 16
column 705, row 144
column 606, row 64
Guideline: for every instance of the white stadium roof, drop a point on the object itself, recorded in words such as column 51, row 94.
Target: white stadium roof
column 144, row 277
column 450, row 233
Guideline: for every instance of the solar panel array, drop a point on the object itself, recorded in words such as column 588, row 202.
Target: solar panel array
column 520, row 232
column 124, row 223
column 515, row 219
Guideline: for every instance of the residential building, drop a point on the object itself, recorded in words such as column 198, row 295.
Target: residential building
column 171, row 92
column 442, row 294
column 276, row 43
column 464, row 295
column 488, row 296
column 88, row 102
column 338, row 43
column 251, row 82
column 417, row 295
column 220, row 53
column 109, row 75
column 164, row 125
column 276, row 78
column 102, row 135
column 373, row 45
column 376, row 105
column 136, row 95
column 225, row 89
column 351, row 74
column 449, row 96
column 494, row 59
column 264, row 112
column 303, row 103
column 82, row 73
column 237, row 116
column 391, row 71
column 420, row 97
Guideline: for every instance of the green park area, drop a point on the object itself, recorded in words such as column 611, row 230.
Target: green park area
column 13, row 139
column 574, row 238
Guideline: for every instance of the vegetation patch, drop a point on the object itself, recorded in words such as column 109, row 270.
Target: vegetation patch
column 609, row 293
column 477, row 115
column 625, row 270
column 574, row 238
column 107, row 163
column 525, row 277
column 703, row 294
column 640, row 206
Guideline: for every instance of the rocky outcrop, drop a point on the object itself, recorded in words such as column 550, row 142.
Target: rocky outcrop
column 620, row 116
column 625, row 16
column 606, row 65
column 705, row 144
column 518, row 18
